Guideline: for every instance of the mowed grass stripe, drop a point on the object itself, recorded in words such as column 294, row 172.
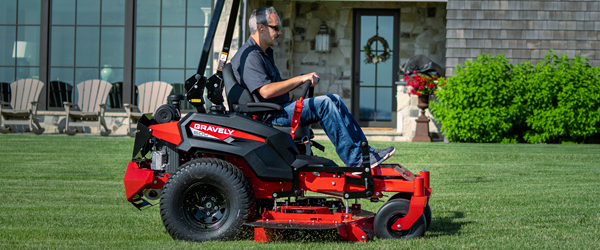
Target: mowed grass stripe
column 61, row 192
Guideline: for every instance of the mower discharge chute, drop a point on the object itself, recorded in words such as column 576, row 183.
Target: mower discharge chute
column 212, row 173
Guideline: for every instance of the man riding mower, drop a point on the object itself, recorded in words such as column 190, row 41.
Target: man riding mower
column 214, row 172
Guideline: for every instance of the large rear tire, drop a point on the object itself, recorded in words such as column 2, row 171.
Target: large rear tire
column 389, row 213
column 207, row 199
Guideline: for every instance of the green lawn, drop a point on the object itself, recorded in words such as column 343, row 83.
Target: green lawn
column 63, row 192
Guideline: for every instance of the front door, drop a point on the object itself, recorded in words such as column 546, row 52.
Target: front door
column 375, row 67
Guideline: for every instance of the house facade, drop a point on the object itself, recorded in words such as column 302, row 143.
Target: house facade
column 521, row 30
column 129, row 42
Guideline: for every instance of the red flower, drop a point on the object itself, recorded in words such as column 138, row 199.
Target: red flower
column 422, row 84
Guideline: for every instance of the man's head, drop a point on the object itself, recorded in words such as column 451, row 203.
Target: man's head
column 265, row 25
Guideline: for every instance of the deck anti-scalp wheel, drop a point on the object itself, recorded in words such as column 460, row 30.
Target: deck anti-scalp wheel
column 207, row 199
column 387, row 216
column 426, row 212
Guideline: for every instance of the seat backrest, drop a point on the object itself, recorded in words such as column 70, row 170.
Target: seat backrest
column 235, row 92
column 23, row 92
column 92, row 93
column 60, row 92
column 153, row 94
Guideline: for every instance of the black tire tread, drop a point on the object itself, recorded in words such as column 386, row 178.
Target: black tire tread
column 222, row 168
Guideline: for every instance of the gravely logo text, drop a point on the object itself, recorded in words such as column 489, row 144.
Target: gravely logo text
column 217, row 132
column 213, row 129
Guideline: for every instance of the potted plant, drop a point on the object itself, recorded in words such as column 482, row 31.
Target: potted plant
column 423, row 86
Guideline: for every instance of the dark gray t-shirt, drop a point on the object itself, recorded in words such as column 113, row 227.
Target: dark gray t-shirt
column 254, row 68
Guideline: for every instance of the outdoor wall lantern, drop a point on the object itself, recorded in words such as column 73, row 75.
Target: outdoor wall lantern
column 322, row 39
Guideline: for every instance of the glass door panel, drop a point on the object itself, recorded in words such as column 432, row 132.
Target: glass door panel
column 375, row 67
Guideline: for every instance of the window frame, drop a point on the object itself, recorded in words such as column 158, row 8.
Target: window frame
column 128, row 92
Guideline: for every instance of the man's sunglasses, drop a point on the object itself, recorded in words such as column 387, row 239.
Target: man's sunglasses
column 276, row 28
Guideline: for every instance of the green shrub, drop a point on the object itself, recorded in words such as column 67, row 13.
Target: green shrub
column 478, row 104
column 563, row 100
column 490, row 100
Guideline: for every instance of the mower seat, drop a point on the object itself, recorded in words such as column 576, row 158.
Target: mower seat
column 239, row 99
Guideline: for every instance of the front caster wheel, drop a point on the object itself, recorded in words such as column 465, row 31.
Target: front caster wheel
column 208, row 199
column 426, row 212
column 392, row 211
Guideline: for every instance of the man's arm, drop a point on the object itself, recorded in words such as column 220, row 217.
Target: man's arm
column 275, row 89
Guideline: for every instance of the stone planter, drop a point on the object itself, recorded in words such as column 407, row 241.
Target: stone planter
column 422, row 131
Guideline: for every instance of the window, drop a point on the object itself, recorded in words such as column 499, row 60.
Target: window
column 169, row 36
column 20, row 41
column 86, row 42
column 125, row 42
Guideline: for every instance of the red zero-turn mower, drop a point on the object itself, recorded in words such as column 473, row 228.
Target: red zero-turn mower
column 214, row 172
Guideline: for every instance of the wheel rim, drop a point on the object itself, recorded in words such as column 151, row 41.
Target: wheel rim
column 205, row 206
column 396, row 233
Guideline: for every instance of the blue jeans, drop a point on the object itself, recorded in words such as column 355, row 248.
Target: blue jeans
column 335, row 119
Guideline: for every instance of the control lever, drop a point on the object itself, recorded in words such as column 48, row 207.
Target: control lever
column 194, row 94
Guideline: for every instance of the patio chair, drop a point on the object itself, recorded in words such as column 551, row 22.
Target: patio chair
column 90, row 107
column 150, row 96
column 22, row 108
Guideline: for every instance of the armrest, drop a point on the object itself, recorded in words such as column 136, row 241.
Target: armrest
column 129, row 106
column 70, row 104
column 4, row 103
column 270, row 105
column 102, row 109
column 256, row 107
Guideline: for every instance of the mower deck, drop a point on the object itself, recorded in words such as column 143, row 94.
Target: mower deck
column 354, row 225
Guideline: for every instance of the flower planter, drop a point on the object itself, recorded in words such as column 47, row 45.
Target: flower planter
column 422, row 131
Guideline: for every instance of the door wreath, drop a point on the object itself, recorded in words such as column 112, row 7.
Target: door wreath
column 372, row 57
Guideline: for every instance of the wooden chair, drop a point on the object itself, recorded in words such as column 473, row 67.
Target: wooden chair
column 150, row 96
column 22, row 108
column 90, row 107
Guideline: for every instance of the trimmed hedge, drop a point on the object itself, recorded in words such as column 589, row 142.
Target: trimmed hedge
column 490, row 100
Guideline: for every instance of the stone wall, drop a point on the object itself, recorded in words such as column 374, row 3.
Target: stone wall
column 522, row 30
column 422, row 31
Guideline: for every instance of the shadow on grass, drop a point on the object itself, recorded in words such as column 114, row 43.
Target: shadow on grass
column 300, row 235
column 447, row 225
column 440, row 226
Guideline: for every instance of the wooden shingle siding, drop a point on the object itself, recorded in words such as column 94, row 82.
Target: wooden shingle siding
column 521, row 30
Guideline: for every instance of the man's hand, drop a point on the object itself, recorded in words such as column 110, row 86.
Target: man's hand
column 275, row 89
column 313, row 78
